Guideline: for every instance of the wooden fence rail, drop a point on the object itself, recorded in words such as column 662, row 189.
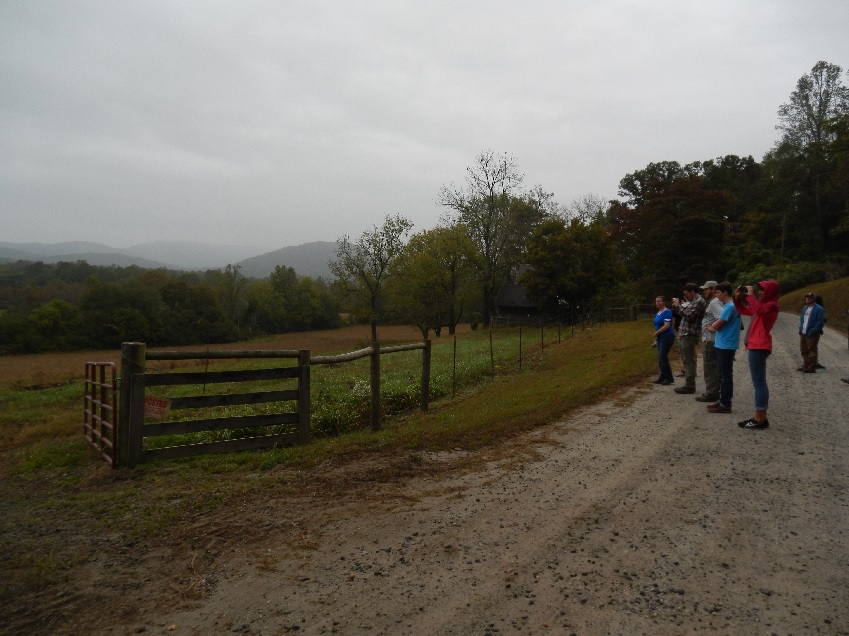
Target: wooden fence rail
column 133, row 428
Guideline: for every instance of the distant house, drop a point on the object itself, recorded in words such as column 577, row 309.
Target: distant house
column 512, row 304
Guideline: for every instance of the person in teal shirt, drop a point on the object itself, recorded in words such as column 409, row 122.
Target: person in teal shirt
column 726, row 343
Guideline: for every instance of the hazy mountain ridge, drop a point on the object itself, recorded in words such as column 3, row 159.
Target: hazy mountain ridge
column 308, row 259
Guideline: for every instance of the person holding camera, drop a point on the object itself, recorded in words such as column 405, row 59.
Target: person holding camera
column 726, row 343
column 709, row 369
column 689, row 331
column 811, row 324
column 760, row 302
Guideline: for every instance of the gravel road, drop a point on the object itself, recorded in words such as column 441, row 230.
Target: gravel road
column 641, row 515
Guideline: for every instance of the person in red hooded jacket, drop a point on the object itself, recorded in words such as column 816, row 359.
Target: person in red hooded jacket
column 760, row 302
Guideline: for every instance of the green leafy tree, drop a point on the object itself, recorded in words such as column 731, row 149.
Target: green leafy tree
column 433, row 279
column 58, row 323
column 671, row 234
column 115, row 313
column 805, row 158
column 572, row 262
column 362, row 267
column 193, row 315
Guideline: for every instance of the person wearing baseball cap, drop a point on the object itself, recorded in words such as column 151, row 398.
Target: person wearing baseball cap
column 811, row 324
column 709, row 369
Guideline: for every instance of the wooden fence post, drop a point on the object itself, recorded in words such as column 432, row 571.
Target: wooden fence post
column 374, row 414
column 426, row 374
column 132, row 362
column 304, row 432
column 135, row 441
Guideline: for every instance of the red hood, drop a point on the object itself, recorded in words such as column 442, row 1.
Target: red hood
column 769, row 291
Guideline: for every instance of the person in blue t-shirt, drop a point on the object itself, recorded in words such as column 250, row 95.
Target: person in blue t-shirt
column 726, row 343
column 664, row 335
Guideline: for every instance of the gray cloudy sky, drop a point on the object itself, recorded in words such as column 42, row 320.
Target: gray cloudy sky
column 275, row 123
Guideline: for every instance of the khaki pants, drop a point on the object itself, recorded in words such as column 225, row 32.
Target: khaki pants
column 688, row 345
column 809, row 348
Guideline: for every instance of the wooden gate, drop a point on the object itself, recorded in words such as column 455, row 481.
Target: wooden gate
column 100, row 410
column 135, row 382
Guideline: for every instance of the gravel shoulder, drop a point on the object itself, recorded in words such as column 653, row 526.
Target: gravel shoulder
column 640, row 515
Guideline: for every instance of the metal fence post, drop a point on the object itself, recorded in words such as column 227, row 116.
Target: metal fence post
column 374, row 414
column 426, row 374
column 132, row 362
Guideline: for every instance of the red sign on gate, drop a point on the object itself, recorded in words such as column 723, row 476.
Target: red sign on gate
column 156, row 408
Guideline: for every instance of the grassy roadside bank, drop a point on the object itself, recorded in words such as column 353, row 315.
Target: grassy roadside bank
column 50, row 510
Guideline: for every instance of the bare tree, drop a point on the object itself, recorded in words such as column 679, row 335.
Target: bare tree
column 498, row 215
column 587, row 208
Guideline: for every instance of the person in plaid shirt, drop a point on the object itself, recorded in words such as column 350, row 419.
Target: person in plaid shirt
column 691, row 311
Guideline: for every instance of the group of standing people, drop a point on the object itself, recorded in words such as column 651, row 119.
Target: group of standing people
column 711, row 313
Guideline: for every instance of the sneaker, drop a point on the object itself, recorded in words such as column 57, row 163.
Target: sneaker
column 819, row 366
column 718, row 408
column 809, row 370
column 753, row 424
column 707, row 398
column 846, row 380
column 680, row 374
column 666, row 383
column 685, row 389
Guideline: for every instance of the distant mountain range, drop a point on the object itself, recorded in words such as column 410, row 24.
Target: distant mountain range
column 309, row 259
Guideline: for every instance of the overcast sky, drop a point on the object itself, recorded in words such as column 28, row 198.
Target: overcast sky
column 278, row 123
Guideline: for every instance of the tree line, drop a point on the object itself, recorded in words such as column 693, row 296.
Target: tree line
column 74, row 305
column 785, row 217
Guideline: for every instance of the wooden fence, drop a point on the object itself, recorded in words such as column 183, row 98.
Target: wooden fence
column 135, row 407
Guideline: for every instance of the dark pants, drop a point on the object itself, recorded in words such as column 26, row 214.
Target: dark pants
column 664, row 344
column 711, row 370
column 725, row 365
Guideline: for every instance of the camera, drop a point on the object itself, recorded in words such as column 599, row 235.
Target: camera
column 743, row 290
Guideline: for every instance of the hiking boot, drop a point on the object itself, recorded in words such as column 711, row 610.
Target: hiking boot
column 707, row 398
column 718, row 408
column 753, row 424
column 685, row 389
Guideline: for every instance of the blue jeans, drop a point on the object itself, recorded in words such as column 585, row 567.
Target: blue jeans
column 725, row 364
column 664, row 344
column 757, row 367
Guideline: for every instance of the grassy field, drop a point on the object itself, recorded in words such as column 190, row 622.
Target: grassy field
column 57, row 493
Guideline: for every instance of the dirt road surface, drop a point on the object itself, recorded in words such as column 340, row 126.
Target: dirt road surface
column 641, row 515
